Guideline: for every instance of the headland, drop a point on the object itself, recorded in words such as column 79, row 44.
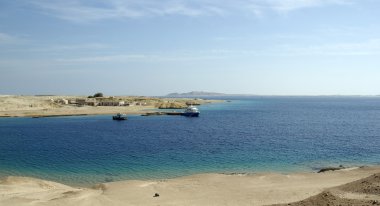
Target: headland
column 50, row 105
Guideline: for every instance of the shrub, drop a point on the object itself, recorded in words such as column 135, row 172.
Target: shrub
column 99, row 94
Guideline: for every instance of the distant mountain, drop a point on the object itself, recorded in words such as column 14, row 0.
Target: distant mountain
column 195, row 94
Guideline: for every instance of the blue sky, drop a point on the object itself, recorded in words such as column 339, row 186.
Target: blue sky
column 151, row 47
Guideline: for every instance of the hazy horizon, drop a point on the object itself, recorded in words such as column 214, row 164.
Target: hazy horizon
column 222, row 94
column 153, row 48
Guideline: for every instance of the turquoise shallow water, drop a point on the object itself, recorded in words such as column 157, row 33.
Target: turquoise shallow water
column 256, row 134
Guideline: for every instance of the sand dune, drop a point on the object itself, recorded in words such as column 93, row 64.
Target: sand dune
column 204, row 189
column 365, row 191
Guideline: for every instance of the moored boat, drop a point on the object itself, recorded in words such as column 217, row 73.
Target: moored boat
column 191, row 111
column 120, row 116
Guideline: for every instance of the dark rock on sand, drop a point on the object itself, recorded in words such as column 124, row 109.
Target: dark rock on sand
column 366, row 192
column 331, row 169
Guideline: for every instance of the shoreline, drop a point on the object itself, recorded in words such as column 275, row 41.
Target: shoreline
column 88, row 183
column 46, row 106
column 54, row 106
column 58, row 114
column 199, row 189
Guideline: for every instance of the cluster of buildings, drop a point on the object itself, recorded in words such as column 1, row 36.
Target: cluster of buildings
column 98, row 101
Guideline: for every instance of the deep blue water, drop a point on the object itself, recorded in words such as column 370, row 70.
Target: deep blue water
column 245, row 135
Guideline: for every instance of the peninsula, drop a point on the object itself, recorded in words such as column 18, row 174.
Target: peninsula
column 51, row 105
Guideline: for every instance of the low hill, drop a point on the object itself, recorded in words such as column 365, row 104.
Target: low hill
column 195, row 94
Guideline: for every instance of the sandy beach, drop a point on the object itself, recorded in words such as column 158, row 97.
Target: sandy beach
column 342, row 187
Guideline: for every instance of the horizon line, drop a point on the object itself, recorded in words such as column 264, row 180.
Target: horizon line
column 221, row 95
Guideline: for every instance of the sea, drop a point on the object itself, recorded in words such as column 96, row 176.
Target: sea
column 240, row 135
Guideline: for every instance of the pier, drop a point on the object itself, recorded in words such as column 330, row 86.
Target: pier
column 161, row 113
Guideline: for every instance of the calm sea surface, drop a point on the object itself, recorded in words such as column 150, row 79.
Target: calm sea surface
column 257, row 134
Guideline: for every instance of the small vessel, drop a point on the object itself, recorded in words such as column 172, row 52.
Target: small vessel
column 120, row 116
column 191, row 111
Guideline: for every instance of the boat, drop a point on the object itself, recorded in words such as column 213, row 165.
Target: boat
column 191, row 111
column 120, row 116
